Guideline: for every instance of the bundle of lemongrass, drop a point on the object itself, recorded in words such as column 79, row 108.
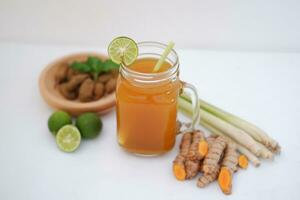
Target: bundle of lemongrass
column 250, row 140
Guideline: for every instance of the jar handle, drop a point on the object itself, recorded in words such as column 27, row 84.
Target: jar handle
column 195, row 104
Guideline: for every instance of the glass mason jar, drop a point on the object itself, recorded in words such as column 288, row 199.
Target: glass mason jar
column 146, row 103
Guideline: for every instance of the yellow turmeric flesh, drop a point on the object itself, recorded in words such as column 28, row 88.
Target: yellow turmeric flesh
column 228, row 167
column 243, row 162
column 194, row 153
column 203, row 148
column 179, row 172
column 179, row 169
column 225, row 180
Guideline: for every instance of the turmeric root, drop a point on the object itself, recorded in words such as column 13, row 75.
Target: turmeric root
column 61, row 73
column 211, row 161
column 240, row 148
column 206, row 179
column 194, row 153
column 86, row 90
column 210, row 140
column 243, row 161
column 230, row 159
column 194, row 156
column 179, row 162
column 191, row 168
column 229, row 166
column 225, row 180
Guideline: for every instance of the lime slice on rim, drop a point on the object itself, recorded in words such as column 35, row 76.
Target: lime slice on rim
column 123, row 50
column 68, row 138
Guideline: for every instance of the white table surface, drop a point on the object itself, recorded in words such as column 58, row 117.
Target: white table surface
column 260, row 87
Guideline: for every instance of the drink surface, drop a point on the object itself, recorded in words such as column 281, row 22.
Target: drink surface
column 146, row 65
column 146, row 115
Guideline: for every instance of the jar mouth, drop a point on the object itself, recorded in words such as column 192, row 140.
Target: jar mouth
column 172, row 58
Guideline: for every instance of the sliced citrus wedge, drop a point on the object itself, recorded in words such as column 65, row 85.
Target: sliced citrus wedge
column 68, row 138
column 123, row 50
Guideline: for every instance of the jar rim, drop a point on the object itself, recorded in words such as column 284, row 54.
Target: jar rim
column 169, row 72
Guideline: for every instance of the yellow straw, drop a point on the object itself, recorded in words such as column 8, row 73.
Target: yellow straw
column 163, row 56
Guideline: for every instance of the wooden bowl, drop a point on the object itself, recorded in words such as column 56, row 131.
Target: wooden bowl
column 52, row 96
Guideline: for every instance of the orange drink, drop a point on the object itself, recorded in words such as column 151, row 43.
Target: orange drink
column 146, row 102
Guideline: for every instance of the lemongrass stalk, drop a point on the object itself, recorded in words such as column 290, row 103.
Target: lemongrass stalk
column 258, row 134
column 265, row 153
column 163, row 56
column 254, row 131
column 233, row 132
column 228, row 129
column 255, row 161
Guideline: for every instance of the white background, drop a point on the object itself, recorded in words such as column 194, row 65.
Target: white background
column 260, row 87
column 214, row 24
column 242, row 56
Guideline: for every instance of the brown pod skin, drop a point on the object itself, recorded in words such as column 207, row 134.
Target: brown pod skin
column 71, row 72
column 103, row 78
column 70, row 88
column 115, row 73
column 71, row 95
column 99, row 90
column 110, row 86
column 61, row 73
column 86, row 90
column 75, row 81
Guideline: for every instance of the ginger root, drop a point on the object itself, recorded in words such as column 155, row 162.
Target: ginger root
column 179, row 170
column 243, row 161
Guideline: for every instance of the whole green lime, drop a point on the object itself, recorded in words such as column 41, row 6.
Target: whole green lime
column 57, row 120
column 89, row 125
